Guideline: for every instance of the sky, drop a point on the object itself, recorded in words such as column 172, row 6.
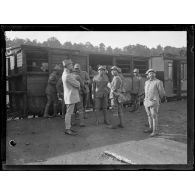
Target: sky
column 109, row 38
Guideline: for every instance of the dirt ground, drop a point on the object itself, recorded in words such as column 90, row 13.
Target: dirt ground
column 42, row 141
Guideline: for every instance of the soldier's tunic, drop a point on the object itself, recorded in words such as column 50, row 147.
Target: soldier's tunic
column 79, row 105
column 115, row 88
column 85, row 76
column 137, row 90
column 154, row 90
column 51, row 90
column 101, row 91
column 59, row 87
column 71, row 95
column 136, row 85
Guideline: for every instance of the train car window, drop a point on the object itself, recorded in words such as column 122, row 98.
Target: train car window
column 141, row 65
column 37, row 61
column 170, row 71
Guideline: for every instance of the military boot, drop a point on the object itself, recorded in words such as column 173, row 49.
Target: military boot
column 106, row 117
column 55, row 110
column 46, row 115
column 81, row 119
column 121, row 120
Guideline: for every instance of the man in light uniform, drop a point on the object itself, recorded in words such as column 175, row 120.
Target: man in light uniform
column 115, row 88
column 71, row 93
column 154, row 92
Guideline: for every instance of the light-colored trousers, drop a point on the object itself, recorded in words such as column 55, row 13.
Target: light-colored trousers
column 69, row 112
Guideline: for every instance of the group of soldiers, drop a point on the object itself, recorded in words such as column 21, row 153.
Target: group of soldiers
column 75, row 88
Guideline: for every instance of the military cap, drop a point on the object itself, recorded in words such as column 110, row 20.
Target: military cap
column 66, row 62
column 136, row 70
column 115, row 68
column 150, row 70
column 101, row 67
column 77, row 66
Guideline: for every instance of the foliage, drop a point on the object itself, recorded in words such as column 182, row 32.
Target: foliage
column 139, row 50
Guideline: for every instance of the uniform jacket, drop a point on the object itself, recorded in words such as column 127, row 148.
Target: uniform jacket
column 154, row 90
column 52, row 81
column 82, row 86
column 99, row 85
column 85, row 76
column 59, row 87
column 136, row 85
column 115, row 86
column 71, row 88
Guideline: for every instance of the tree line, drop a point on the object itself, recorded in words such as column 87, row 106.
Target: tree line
column 139, row 50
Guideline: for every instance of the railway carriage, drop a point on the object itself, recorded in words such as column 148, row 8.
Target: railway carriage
column 28, row 68
column 172, row 70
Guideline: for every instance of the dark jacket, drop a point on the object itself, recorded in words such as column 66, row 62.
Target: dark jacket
column 52, row 81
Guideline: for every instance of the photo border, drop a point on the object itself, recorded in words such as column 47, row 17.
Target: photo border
column 105, row 27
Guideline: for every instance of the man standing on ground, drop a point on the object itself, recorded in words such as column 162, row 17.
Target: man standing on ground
column 71, row 93
column 116, row 88
column 86, row 80
column 51, row 91
column 100, row 93
column 154, row 92
column 136, row 90
column 79, row 106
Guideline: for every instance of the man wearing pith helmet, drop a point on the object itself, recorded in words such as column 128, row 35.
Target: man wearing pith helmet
column 115, row 89
column 154, row 92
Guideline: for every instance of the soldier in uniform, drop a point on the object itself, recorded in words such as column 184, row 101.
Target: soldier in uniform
column 92, row 73
column 51, row 91
column 122, row 78
column 86, row 80
column 116, row 87
column 100, row 93
column 137, row 90
column 79, row 106
column 71, row 94
column 154, row 92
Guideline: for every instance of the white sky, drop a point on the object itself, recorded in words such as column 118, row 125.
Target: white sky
column 109, row 38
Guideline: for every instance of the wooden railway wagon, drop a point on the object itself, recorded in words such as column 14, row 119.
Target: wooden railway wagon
column 172, row 70
column 27, row 71
column 126, row 62
column 28, row 68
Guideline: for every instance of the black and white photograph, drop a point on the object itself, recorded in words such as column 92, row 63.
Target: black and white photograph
column 96, row 98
